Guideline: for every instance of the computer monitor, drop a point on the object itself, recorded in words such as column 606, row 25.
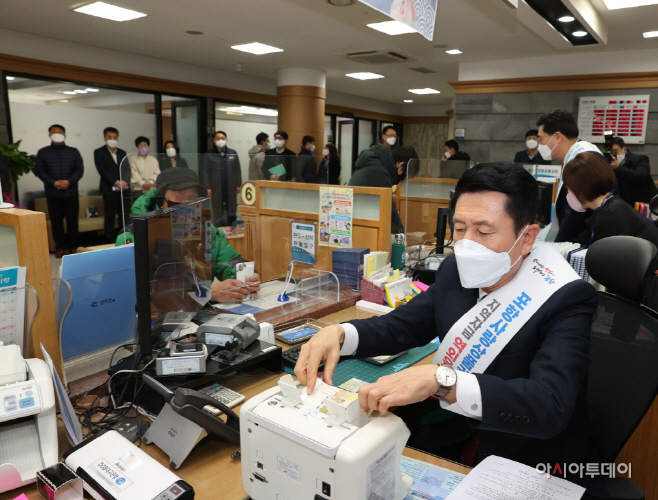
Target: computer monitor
column 545, row 196
column 173, row 266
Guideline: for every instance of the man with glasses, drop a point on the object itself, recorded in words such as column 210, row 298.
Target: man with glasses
column 389, row 136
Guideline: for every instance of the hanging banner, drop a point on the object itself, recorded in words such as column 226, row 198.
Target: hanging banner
column 418, row 14
column 303, row 243
column 336, row 205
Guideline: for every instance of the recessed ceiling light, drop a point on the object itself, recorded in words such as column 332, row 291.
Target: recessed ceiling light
column 579, row 33
column 566, row 19
column 424, row 91
column 80, row 91
column 408, row 100
column 69, row 92
column 454, row 52
column 650, row 34
column 10, row 78
column 192, row 32
column 256, row 48
column 63, row 100
column 364, row 76
column 111, row 12
column 625, row 4
column 92, row 90
column 392, row 27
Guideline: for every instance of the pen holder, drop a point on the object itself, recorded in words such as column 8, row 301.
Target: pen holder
column 59, row 482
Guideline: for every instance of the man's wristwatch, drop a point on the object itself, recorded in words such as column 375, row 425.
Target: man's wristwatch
column 446, row 376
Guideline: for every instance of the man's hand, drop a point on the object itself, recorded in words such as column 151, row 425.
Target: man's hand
column 403, row 388
column 323, row 346
column 274, row 177
column 229, row 291
column 122, row 185
column 146, row 186
column 65, row 184
column 57, row 184
column 614, row 163
column 254, row 278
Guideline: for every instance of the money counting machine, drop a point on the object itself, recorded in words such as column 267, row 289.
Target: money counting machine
column 320, row 447
column 28, row 425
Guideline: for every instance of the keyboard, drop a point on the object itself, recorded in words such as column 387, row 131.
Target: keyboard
column 223, row 395
column 291, row 356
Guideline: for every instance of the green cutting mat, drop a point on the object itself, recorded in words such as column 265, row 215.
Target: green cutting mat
column 355, row 368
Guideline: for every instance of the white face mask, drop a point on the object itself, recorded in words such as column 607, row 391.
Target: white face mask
column 112, row 144
column 531, row 144
column 312, row 148
column 481, row 267
column 391, row 141
column 57, row 138
column 220, row 143
column 279, row 143
column 447, row 155
column 171, row 152
column 325, row 152
column 545, row 151
column 620, row 158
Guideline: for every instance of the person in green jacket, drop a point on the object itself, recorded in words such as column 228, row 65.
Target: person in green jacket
column 178, row 185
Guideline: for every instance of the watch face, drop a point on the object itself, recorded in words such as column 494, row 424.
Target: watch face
column 446, row 376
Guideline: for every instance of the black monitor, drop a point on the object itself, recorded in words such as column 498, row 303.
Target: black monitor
column 173, row 266
column 545, row 207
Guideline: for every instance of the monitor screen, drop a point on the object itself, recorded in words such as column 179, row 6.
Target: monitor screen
column 173, row 266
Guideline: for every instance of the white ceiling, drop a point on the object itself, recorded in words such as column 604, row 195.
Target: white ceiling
column 315, row 34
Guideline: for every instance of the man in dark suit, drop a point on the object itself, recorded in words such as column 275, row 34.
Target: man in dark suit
column 530, row 155
column 115, row 181
column 221, row 174
column 633, row 174
column 529, row 404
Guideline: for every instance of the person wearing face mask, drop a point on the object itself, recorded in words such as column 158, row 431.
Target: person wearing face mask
column 172, row 158
column 257, row 157
column 179, row 185
column 114, row 187
column 60, row 168
column 279, row 154
column 222, row 175
column 307, row 170
column 591, row 181
column 516, row 334
column 452, row 152
column 633, row 174
column 144, row 168
column 530, row 156
column 376, row 167
column 389, row 136
column 329, row 170
column 558, row 140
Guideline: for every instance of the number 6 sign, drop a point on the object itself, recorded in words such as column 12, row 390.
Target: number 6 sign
column 248, row 193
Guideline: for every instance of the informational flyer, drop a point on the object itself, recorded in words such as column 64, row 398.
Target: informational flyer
column 12, row 305
column 303, row 243
column 624, row 116
column 431, row 482
column 186, row 224
column 336, row 210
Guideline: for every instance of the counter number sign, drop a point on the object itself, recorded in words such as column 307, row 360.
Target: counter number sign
column 248, row 193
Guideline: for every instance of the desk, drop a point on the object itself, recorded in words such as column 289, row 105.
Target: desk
column 210, row 466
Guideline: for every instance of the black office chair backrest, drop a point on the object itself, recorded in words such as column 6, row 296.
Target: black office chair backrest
column 623, row 374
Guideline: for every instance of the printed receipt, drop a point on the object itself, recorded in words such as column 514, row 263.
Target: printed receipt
column 430, row 481
column 503, row 479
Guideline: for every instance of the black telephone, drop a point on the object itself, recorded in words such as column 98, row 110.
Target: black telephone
column 189, row 403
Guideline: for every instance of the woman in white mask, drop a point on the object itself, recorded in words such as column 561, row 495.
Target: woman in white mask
column 172, row 158
column 144, row 168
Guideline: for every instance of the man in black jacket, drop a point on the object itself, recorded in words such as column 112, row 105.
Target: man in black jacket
column 306, row 164
column 115, row 182
column 221, row 174
column 633, row 174
column 279, row 155
column 60, row 168
column 453, row 153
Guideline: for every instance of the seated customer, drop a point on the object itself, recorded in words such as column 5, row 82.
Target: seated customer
column 178, row 185
column 173, row 158
column 591, row 182
column 519, row 343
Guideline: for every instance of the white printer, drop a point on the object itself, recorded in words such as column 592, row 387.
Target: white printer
column 320, row 447
column 28, row 426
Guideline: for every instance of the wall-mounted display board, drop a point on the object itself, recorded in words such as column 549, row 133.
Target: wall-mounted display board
column 625, row 116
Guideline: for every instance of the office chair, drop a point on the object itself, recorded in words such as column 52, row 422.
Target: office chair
column 623, row 375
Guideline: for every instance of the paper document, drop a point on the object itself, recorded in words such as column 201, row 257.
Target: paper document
column 430, row 481
column 266, row 299
column 12, row 305
column 503, row 479
column 278, row 170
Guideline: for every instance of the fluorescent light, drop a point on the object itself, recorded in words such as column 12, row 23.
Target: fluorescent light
column 454, row 52
column 256, row 48
column 424, row 91
column 392, row 27
column 364, row 76
column 92, row 90
column 408, row 100
column 566, row 19
column 248, row 110
column 63, row 100
column 69, row 92
column 111, row 12
column 648, row 34
column 579, row 33
column 79, row 91
column 625, row 4
column 10, row 78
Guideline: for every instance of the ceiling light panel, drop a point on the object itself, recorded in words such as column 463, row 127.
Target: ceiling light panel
column 626, row 4
column 392, row 27
column 365, row 76
column 408, row 100
column 256, row 48
column 111, row 12
column 650, row 34
column 566, row 19
column 454, row 52
column 248, row 110
column 10, row 78
column 424, row 91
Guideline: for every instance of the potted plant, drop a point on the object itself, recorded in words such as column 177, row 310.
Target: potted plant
column 17, row 163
